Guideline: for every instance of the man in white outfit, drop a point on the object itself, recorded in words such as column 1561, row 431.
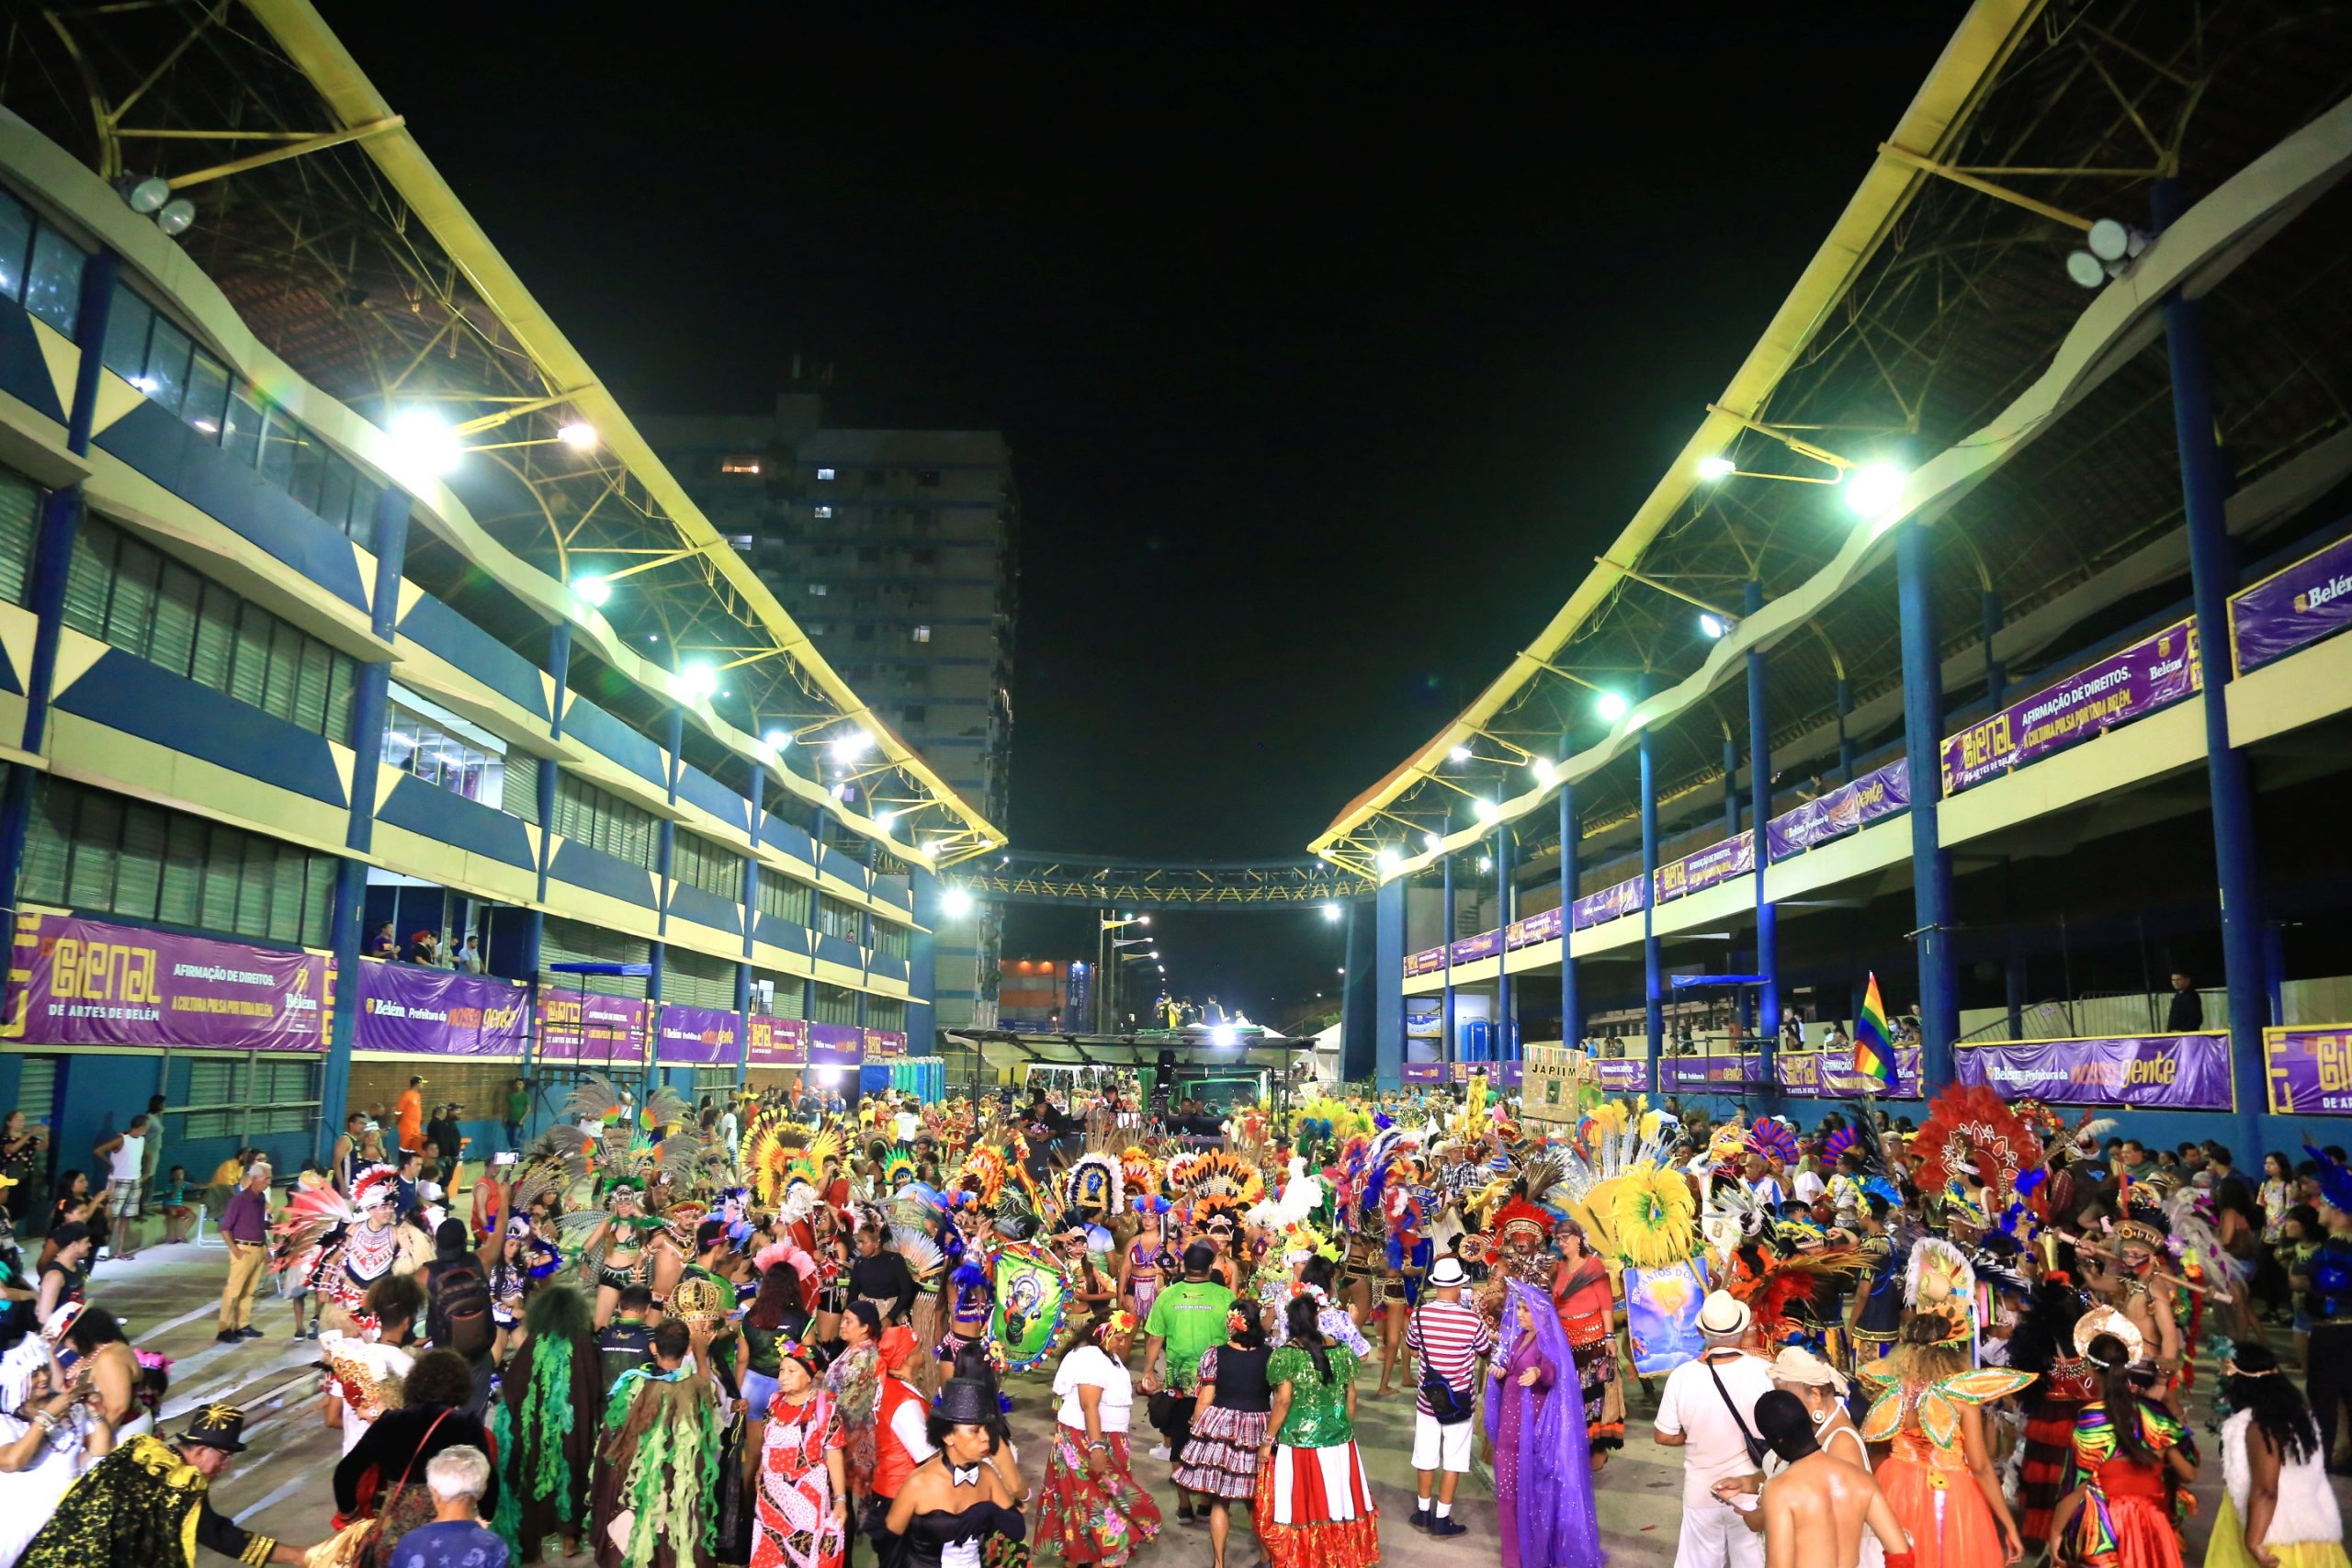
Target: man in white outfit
column 1706, row 1404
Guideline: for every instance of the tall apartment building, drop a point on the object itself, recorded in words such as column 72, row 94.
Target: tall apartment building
column 896, row 550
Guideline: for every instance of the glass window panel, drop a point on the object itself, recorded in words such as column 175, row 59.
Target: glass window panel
column 208, row 395
column 88, row 575
column 280, row 438
column 96, row 835
column 241, row 436
column 166, row 377
column 53, row 285
column 249, row 681
column 335, row 491
column 285, row 666
column 130, row 613
column 181, row 899
column 139, row 878
column 172, row 644
column 125, row 352
column 216, row 638
column 15, row 244
column 309, row 467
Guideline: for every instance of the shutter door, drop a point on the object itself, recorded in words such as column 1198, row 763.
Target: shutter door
column 519, row 791
column 19, row 511
column 694, row 979
column 575, row 942
column 37, row 1088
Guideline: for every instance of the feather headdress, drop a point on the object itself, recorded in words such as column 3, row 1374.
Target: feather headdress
column 1940, row 1282
column 1651, row 1213
column 1972, row 1137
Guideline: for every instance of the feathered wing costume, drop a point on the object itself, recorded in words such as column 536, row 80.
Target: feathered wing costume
column 1543, row 1465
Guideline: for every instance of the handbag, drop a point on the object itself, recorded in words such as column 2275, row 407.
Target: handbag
column 1448, row 1405
column 361, row 1541
column 1757, row 1447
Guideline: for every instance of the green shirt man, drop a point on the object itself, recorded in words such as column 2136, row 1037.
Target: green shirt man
column 1188, row 1320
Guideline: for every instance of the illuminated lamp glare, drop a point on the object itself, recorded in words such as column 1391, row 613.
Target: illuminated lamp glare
column 1873, row 488
column 955, row 902
column 423, row 443
column 579, row 435
column 1717, row 467
column 1611, row 707
column 593, row 589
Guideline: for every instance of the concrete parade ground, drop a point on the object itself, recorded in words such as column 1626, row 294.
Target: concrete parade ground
column 284, row 1483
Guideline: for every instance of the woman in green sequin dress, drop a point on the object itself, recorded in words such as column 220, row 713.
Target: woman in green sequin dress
column 1313, row 1506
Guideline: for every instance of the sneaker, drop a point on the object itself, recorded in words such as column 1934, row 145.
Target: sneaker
column 1421, row 1518
column 249, row 1334
column 1160, row 1450
column 1447, row 1527
column 228, row 1337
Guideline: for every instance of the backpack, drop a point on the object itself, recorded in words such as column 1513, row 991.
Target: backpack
column 462, row 1305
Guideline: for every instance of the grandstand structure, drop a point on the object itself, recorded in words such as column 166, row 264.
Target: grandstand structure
column 1945, row 632
column 339, row 596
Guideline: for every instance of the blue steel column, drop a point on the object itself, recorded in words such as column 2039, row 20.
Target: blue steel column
column 1844, row 742
column 369, row 696
column 2274, row 971
column 1731, row 785
column 1447, row 1049
column 558, row 670
column 1654, row 1015
column 1388, row 969
column 759, row 789
column 673, row 742
column 1923, row 723
column 1505, row 1051
column 61, row 520
column 2213, row 576
column 1996, row 677
column 1767, row 925
column 1571, row 1005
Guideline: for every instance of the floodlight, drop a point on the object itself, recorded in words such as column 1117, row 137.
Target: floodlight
column 424, row 444
column 1488, row 810
column 2085, row 269
column 882, row 819
column 700, row 681
column 1873, row 488
column 849, row 747
column 578, row 436
column 1389, row 862
column 1222, row 1037
column 1712, row 626
column 1433, row 842
column 1331, row 912
column 1458, row 754
column 2109, row 240
column 955, row 902
column 1611, row 707
column 593, row 589
column 777, row 739
column 1547, row 771
column 1717, row 467
column 1486, row 863
column 149, row 195
column 176, row 216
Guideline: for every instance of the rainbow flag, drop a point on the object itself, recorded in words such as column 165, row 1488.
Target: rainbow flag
column 1873, row 1052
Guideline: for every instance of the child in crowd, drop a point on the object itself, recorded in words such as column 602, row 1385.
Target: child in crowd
column 172, row 1196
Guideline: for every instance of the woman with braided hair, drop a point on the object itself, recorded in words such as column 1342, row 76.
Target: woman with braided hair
column 2276, row 1508
column 2135, row 1461
column 545, row 1423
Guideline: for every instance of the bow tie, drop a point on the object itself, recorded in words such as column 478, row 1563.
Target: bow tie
column 966, row 1476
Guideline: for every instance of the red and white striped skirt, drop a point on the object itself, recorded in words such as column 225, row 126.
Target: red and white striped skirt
column 1313, row 1509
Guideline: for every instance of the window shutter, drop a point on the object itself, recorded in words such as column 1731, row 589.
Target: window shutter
column 90, row 883
column 180, row 900
column 286, row 877
column 139, row 877
column 312, row 680
column 250, row 678
column 87, row 576
column 48, row 843
column 318, row 901
column 519, row 788
column 342, row 691
column 131, row 614
column 216, row 638
column 178, row 602
column 224, row 861
column 20, row 513
column 285, row 665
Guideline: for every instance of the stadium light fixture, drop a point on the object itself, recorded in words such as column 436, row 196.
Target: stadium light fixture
column 1331, row 913
column 423, row 443
column 1547, row 771
column 1712, row 627
column 1488, row 810
column 1873, row 490
column 1486, row 863
column 593, row 589
column 1611, row 707
column 882, row 819
column 1716, row 468
column 1459, row 755
column 1389, row 861
column 848, row 746
column 580, row 435
column 778, row 740
column 700, row 681
column 955, row 902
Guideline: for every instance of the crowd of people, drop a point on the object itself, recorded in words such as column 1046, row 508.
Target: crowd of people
column 781, row 1331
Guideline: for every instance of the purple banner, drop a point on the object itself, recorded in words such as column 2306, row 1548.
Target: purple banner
column 779, row 1043
column 1620, row 1077
column 438, row 1012
column 2310, row 599
column 586, row 1026
column 1422, row 1072
column 1500, row 1074
column 76, row 982
column 1880, row 793
column 2156, row 1072
column 2129, row 683
column 696, row 1037
column 1428, row 962
column 1608, row 904
column 836, row 1045
column 2309, row 1070
column 882, row 1044
column 1486, row 944
column 1806, row 1075
column 1722, row 1075
column 1544, row 926
column 1704, row 868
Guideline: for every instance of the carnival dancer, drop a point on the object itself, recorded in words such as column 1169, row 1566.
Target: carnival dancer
column 2042, row 1342
column 545, row 1423
column 2125, row 1276
column 145, row 1504
column 1536, row 1424
column 2133, row 1457
column 658, row 1445
column 366, row 1368
column 354, row 1244
column 962, row 1505
column 1094, row 1510
column 1146, row 1262
column 47, row 1434
column 1874, row 1310
column 1219, row 1459
column 2278, row 1510
column 1314, row 1506
column 800, row 1497
column 1939, row 1478
column 854, row 1380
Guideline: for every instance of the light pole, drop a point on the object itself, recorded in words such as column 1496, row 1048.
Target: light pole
column 1108, row 921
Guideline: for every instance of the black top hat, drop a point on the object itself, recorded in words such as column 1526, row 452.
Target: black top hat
column 966, row 1402
column 219, row 1426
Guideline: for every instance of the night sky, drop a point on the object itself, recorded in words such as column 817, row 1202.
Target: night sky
column 1330, row 349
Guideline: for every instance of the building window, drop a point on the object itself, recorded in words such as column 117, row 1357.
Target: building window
column 921, row 634
column 824, row 473
column 604, row 822
column 439, row 756
column 740, row 541
column 824, row 511
column 698, row 863
column 785, row 900
column 818, row 590
column 837, row 918
column 139, row 599
column 739, row 465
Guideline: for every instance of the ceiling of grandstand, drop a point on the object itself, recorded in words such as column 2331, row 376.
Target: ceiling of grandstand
column 350, row 258
column 1930, row 307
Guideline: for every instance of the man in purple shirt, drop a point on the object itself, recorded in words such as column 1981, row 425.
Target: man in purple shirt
column 245, row 1223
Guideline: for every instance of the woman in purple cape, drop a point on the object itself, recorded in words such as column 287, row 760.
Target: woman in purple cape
column 1535, row 1421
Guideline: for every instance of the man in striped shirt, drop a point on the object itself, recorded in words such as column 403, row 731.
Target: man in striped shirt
column 1448, row 1338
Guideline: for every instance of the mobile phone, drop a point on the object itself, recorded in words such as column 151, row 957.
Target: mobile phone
column 504, row 1156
